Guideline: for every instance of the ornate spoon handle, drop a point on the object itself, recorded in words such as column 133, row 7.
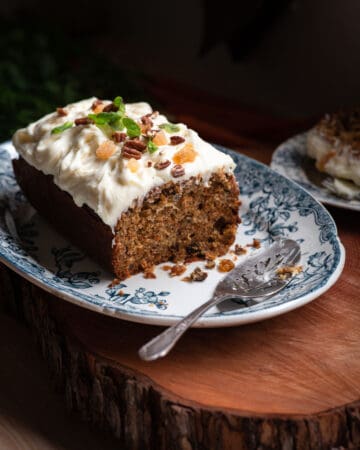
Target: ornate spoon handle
column 165, row 341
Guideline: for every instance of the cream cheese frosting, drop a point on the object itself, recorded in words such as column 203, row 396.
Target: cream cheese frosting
column 110, row 186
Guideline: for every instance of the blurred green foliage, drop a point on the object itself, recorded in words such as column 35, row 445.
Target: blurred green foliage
column 42, row 69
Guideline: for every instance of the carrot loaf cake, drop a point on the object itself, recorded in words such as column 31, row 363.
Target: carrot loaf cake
column 128, row 187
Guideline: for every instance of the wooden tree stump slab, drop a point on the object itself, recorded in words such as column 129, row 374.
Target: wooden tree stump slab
column 292, row 382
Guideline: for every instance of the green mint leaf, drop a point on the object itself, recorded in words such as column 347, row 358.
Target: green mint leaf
column 151, row 147
column 62, row 128
column 119, row 103
column 106, row 129
column 132, row 128
column 117, row 125
column 105, row 117
column 170, row 127
column 108, row 121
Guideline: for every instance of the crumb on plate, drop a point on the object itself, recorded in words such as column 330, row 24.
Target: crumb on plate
column 225, row 265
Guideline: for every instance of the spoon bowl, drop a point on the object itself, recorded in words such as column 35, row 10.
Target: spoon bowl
column 256, row 279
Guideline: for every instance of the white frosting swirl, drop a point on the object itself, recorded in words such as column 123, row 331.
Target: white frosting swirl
column 109, row 187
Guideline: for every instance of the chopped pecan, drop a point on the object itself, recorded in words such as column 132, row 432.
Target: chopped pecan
column 119, row 137
column 110, row 107
column 146, row 120
column 177, row 171
column 61, row 111
column 83, row 121
column 162, row 164
column 129, row 152
column 175, row 140
column 137, row 144
column 145, row 129
column 152, row 115
column 149, row 163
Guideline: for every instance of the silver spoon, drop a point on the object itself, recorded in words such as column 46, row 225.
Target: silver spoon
column 256, row 279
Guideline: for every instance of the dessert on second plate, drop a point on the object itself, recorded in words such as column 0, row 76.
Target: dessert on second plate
column 335, row 145
column 128, row 187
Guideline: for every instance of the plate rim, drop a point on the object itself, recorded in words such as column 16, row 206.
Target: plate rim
column 206, row 321
column 315, row 192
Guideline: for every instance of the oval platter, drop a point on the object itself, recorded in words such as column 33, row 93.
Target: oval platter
column 272, row 206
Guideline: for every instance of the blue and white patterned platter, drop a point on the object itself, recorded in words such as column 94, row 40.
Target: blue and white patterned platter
column 271, row 206
column 290, row 159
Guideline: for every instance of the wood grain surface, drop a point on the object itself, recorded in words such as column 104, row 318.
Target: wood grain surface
column 292, row 382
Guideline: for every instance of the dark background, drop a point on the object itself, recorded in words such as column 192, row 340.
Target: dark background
column 290, row 58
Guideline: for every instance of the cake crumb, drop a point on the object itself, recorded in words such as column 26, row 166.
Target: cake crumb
column 196, row 275
column 114, row 282
column 187, row 279
column 288, row 271
column 149, row 273
column 225, row 265
column 121, row 292
column 210, row 264
column 191, row 259
column 239, row 250
column 210, row 256
column 255, row 243
column 177, row 270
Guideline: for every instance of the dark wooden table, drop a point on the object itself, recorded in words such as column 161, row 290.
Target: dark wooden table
column 292, row 382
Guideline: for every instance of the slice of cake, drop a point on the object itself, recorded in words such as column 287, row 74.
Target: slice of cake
column 335, row 145
column 128, row 187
